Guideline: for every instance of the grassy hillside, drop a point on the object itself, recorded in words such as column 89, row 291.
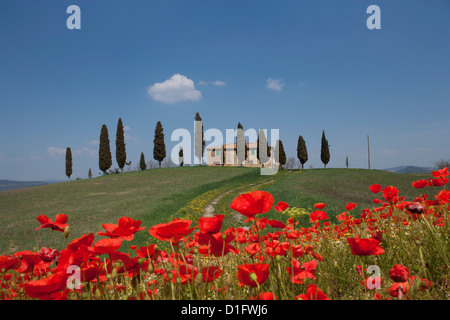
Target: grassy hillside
column 151, row 196
column 159, row 195
column 337, row 187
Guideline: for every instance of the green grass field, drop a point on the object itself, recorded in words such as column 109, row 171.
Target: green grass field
column 154, row 196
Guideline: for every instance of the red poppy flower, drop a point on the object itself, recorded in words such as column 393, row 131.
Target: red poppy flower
column 399, row 273
column 437, row 182
column 317, row 216
column 47, row 254
column 441, row 173
column 126, row 229
column 299, row 273
column 107, row 245
column 375, row 188
column 312, row 293
column 210, row 224
column 29, row 260
column 389, row 193
column 253, row 203
column 44, row 287
column 210, row 273
column 173, row 231
column 220, row 243
column 419, row 184
column 84, row 240
column 350, row 206
column 9, row 262
column 265, row 296
column 253, row 274
column 281, row 206
column 320, row 205
column 365, row 247
column 276, row 224
column 443, row 196
column 59, row 225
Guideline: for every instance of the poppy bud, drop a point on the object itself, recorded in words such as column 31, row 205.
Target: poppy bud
column 198, row 280
column 170, row 275
column 253, row 276
column 418, row 242
column 140, row 261
column 195, row 250
column 66, row 232
column 114, row 273
column 98, row 294
column 224, row 236
column 3, row 270
column 150, row 268
column 229, row 280
column 278, row 258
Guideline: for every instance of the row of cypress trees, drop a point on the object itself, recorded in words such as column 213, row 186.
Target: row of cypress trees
column 105, row 160
column 302, row 152
column 159, row 149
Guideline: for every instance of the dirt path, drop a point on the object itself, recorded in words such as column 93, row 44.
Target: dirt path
column 209, row 209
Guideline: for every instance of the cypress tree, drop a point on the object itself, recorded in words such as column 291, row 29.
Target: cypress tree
column 159, row 148
column 121, row 155
column 302, row 152
column 68, row 163
column 199, row 150
column 104, row 152
column 142, row 164
column 181, row 156
column 324, row 151
column 90, row 173
column 282, row 155
column 241, row 146
column 262, row 159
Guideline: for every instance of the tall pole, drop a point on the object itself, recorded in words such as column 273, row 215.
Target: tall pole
column 368, row 150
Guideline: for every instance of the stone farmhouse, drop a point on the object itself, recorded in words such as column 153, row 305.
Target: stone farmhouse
column 215, row 156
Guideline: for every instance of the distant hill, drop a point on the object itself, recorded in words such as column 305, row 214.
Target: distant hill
column 410, row 169
column 11, row 184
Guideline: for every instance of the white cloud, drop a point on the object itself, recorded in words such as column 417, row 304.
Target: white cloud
column 274, row 84
column 177, row 88
column 214, row 83
column 55, row 151
column 126, row 128
column 85, row 151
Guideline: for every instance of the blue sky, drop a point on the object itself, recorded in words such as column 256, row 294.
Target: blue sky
column 297, row 66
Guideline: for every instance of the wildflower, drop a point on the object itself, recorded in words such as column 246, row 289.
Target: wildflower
column 365, row 247
column 9, row 262
column 317, row 216
column 320, row 205
column 125, row 229
column 281, row 206
column 299, row 273
column 265, row 296
column 47, row 254
column 419, row 184
column 390, row 193
column 312, row 293
column 399, row 273
column 375, row 188
column 59, row 225
column 253, row 275
column 350, row 206
column 172, row 231
column 253, row 203
column 47, row 287
column 210, row 225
